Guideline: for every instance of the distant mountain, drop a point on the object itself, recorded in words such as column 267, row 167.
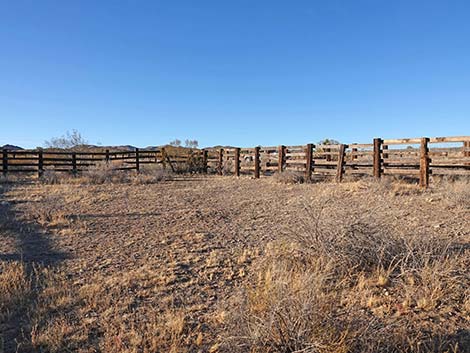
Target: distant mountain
column 11, row 148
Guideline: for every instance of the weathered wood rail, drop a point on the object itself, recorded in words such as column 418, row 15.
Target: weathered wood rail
column 412, row 157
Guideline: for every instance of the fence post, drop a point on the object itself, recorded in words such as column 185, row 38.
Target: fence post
column 308, row 164
column 163, row 158
column 377, row 158
column 107, row 156
column 40, row 164
column 204, row 160
column 424, row 163
column 5, row 161
column 340, row 167
column 137, row 161
column 281, row 158
column 237, row 161
column 257, row 162
column 221, row 161
column 74, row 163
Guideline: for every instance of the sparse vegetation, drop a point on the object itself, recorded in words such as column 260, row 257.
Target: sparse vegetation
column 233, row 265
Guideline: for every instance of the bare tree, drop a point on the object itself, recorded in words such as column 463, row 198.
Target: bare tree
column 191, row 143
column 175, row 143
column 69, row 140
column 328, row 141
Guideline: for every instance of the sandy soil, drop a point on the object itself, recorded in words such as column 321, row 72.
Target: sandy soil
column 195, row 237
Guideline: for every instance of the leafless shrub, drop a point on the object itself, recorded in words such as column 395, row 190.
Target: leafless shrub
column 152, row 176
column 228, row 167
column 49, row 212
column 349, row 282
column 104, row 172
column 52, row 177
column 456, row 192
column 289, row 177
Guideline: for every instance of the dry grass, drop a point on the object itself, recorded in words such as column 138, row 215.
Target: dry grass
column 289, row 177
column 360, row 284
column 104, row 173
column 226, row 264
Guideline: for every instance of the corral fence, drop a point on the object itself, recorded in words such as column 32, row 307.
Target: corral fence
column 411, row 157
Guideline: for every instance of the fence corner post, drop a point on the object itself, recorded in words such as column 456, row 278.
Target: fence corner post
column 377, row 158
column 424, row 163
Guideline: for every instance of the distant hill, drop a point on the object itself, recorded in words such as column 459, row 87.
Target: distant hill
column 11, row 147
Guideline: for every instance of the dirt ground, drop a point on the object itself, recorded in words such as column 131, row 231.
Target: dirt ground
column 181, row 246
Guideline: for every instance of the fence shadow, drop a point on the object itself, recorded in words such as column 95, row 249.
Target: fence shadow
column 33, row 247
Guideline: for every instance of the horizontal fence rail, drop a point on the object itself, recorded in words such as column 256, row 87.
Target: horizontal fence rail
column 410, row 157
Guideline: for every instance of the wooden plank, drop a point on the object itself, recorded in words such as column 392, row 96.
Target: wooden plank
column 257, row 162
column 340, row 168
column 377, row 159
column 405, row 141
column 449, row 139
column 424, row 163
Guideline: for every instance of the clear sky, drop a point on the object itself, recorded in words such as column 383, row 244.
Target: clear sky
column 240, row 72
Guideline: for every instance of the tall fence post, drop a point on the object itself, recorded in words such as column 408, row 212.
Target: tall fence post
column 107, row 156
column 237, row 161
column 377, row 158
column 163, row 157
column 40, row 164
column 204, row 160
column 137, row 160
column 281, row 158
column 309, row 162
column 5, row 161
column 340, row 167
column 74, row 163
column 220, row 165
column 424, row 163
column 257, row 162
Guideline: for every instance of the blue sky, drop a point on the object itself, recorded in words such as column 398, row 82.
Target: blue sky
column 242, row 72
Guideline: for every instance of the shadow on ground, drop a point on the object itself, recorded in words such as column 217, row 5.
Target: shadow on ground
column 33, row 247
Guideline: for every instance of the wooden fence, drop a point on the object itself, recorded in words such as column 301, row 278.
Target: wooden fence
column 412, row 157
